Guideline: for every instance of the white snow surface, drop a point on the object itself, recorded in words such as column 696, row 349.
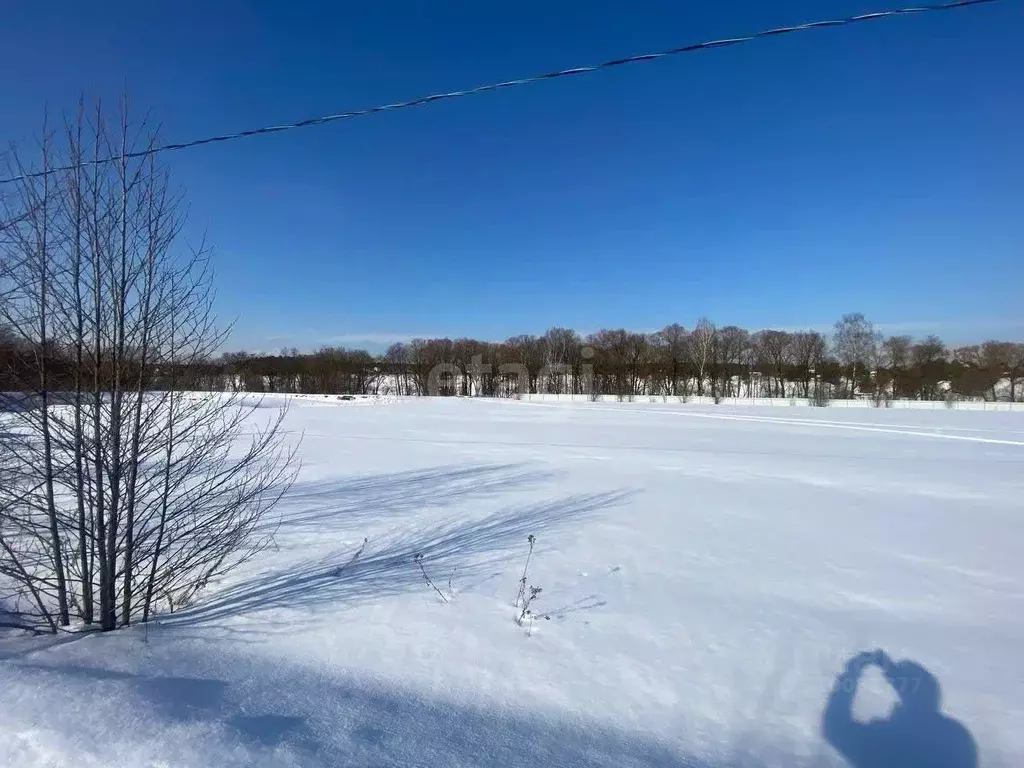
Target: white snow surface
column 706, row 573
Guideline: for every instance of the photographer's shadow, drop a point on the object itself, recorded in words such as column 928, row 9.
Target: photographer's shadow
column 915, row 735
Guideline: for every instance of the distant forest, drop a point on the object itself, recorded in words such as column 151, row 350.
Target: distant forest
column 854, row 360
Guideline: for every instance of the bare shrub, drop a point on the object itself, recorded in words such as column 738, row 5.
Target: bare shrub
column 125, row 492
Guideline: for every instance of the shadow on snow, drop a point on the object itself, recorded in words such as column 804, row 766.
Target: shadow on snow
column 323, row 506
column 915, row 734
column 386, row 565
column 305, row 717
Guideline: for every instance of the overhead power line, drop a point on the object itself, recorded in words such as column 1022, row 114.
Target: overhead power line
column 690, row 48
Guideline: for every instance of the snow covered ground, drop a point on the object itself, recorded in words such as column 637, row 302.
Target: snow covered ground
column 707, row 572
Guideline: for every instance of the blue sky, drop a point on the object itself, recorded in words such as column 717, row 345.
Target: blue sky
column 874, row 168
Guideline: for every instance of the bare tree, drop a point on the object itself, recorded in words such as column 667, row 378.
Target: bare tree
column 773, row 350
column 396, row 365
column 468, row 356
column 623, row 361
column 561, row 350
column 855, row 341
column 728, row 352
column 809, row 350
column 431, row 362
column 981, row 369
column 528, row 355
column 701, row 348
column 670, row 347
column 895, row 356
column 128, row 492
column 1014, row 367
column 1006, row 359
column 928, row 357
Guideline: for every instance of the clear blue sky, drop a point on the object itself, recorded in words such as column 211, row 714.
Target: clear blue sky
column 874, row 168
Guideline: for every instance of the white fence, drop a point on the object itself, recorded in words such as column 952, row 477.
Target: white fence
column 927, row 405
column 770, row 402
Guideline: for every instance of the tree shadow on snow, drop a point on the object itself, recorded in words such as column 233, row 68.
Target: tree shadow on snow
column 188, row 700
column 387, row 566
column 322, row 506
column 296, row 715
column 302, row 717
column 915, row 735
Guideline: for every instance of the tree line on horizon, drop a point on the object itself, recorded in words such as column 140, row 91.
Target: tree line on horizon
column 855, row 360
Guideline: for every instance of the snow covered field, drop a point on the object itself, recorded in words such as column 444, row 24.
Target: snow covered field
column 707, row 572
